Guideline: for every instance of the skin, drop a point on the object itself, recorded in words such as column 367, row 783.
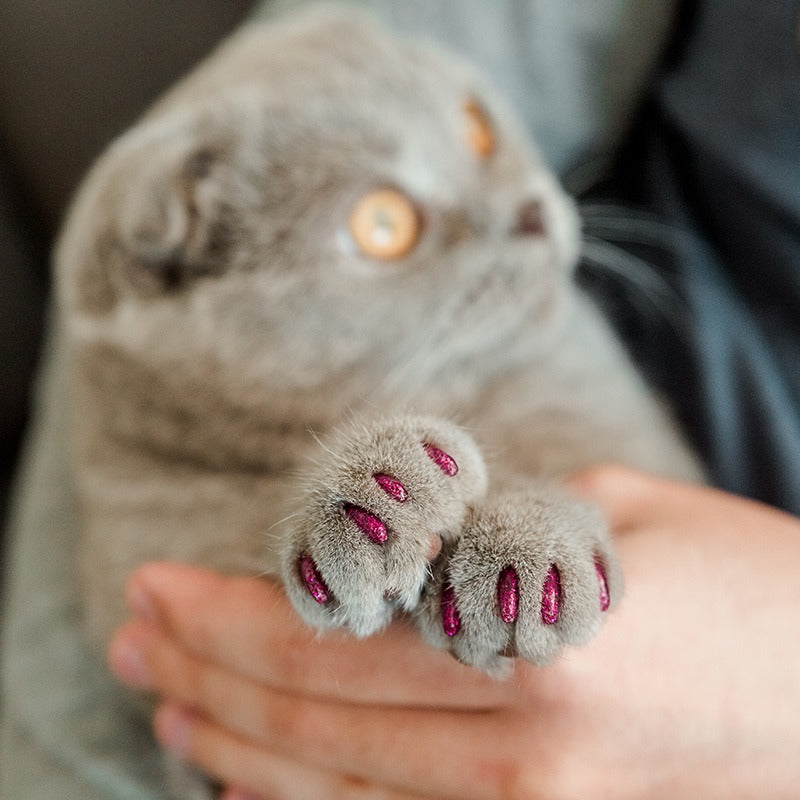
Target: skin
column 690, row 690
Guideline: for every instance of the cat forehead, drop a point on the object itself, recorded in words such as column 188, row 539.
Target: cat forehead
column 327, row 43
column 404, row 86
column 337, row 63
column 353, row 110
column 331, row 96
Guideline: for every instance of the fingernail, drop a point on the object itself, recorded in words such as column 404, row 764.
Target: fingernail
column 142, row 604
column 128, row 663
column 172, row 727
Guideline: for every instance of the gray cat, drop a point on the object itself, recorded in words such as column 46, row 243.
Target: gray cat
column 283, row 289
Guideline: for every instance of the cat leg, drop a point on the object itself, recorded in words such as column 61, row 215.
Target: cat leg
column 534, row 570
column 383, row 498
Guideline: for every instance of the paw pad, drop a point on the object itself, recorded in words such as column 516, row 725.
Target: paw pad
column 444, row 461
column 374, row 528
column 551, row 596
column 316, row 586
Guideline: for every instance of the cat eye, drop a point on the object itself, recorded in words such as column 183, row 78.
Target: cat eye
column 385, row 224
column 480, row 131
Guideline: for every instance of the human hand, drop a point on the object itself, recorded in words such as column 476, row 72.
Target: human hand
column 690, row 690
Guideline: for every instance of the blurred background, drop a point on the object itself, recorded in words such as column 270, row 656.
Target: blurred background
column 72, row 76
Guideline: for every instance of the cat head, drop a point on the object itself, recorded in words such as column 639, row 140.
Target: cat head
column 320, row 204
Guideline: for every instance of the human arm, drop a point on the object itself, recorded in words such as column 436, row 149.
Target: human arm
column 690, row 690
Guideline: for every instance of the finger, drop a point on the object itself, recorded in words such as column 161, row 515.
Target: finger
column 258, row 773
column 621, row 492
column 634, row 499
column 396, row 746
column 248, row 626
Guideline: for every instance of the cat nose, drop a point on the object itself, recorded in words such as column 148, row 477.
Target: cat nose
column 530, row 219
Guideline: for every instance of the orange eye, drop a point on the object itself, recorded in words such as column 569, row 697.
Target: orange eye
column 480, row 131
column 385, row 224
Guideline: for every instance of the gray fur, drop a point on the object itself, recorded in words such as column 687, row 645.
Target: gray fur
column 216, row 320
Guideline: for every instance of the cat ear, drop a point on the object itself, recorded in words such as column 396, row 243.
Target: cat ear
column 153, row 216
column 173, row 223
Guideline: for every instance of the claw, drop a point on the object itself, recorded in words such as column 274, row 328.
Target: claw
column 313, row 580
column 373, row 527
column 444, row 461
column 605, row 595
column 451, row 621
column 392, row 487
column 551, row 596
column 508, row 594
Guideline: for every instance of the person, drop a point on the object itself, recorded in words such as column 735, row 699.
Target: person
column 690, row 689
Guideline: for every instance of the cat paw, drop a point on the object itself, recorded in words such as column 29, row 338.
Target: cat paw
column 533, row 571
column 382, row 500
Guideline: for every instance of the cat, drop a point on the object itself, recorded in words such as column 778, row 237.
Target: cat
column 323, row 325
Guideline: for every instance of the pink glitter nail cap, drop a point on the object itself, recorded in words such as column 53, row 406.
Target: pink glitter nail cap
column 508, row 594
column 392, row 487
column 373, row 527
column 605, row 595
column 313, row 580
column 451, row 621
column 551, row 596
column 444, row 461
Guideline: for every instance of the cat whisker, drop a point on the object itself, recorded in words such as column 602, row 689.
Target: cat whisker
column 638, row 270
column 264, row 574
column 268, row 531
column 641, row 275
column 613, row 224
column 610, row 221
column 315, row 436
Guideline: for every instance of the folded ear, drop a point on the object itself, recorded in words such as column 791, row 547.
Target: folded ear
column 153, row 216
column 173, row 220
